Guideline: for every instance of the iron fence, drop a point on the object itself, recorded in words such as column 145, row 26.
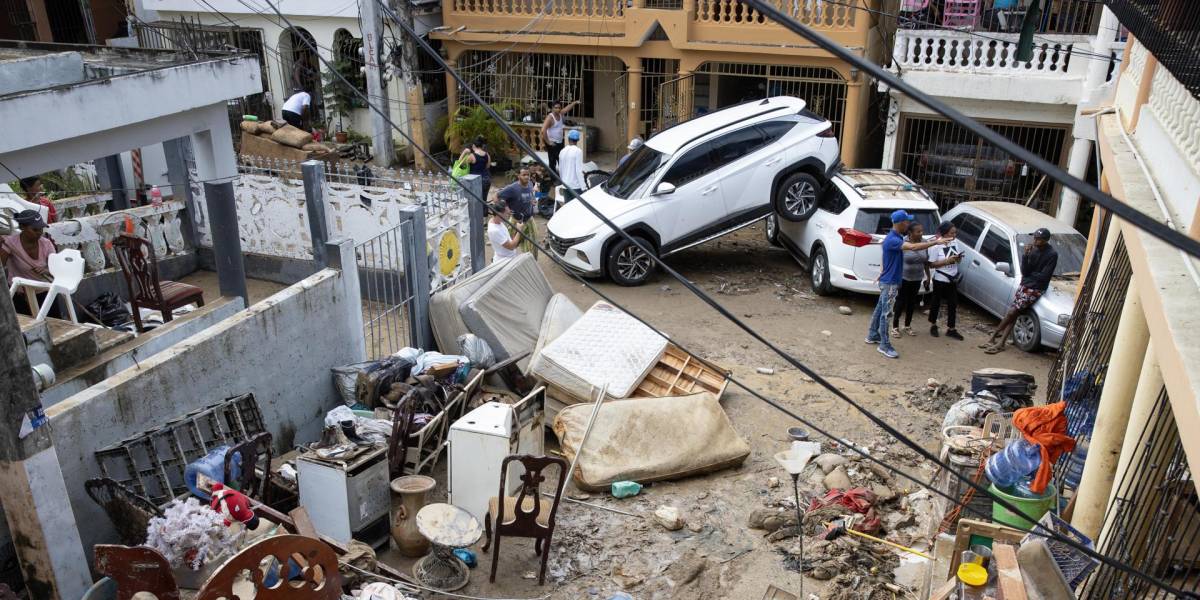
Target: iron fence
column 528, row 83
column 955, row 166
column 387, row 294
column 1153, row 522
column 1078, row 17
column 655, row 73
column 1170, row 30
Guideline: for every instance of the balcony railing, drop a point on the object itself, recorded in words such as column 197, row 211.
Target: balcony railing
column 939, row 50
column 1170, row 30
column 814, row 13
column 553, row 8
column 1075, row 17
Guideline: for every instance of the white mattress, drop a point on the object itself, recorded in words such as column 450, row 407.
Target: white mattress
column 561, row 313
column 506, row 311
column 605, row 346
column 447, row 324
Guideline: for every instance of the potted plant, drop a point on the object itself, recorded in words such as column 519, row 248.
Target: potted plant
column 470, row 122
column 340, row 95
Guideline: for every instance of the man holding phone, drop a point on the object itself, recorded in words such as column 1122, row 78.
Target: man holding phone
column 1037, row 267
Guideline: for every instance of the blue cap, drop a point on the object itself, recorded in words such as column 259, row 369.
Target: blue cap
column 901, row 216
column 573, row 135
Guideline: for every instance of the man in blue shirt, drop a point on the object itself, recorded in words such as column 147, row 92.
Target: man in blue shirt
column 894, row 246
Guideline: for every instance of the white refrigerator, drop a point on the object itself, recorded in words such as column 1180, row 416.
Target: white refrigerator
column 482, row 439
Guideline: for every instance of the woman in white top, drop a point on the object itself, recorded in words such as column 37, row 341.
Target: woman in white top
column 504, row 245
column 943, row 261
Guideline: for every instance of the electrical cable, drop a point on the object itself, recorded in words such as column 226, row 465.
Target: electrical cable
column 724, row 312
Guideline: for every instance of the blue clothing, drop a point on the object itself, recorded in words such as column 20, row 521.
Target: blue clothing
column 878, row 331
column 519, row 199
column 893, row 259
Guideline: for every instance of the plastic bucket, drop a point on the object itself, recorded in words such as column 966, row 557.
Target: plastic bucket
column 1031, row 509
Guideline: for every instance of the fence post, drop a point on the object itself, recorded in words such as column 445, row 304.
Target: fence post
column 472, row 189
column 176, row 152
column 416, row 272
column 314, row 201
column 227, row 242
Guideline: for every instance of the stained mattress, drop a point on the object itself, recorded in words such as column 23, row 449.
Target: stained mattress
column 506, row 310
column 443, row 309
column 604, row 346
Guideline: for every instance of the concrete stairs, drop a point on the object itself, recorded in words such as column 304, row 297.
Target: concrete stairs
column 64, row 344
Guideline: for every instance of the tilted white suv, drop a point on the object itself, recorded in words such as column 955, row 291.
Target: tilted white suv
column 696, row 181
column 841, row 240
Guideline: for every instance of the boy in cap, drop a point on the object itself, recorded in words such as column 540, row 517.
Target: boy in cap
column 1037, row 267
column 894, row 246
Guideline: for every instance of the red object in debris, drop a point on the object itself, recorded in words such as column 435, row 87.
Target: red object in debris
column 1045, row 426
column 233, row 504
column 860, row 500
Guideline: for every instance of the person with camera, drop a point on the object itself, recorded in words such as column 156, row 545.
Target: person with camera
column 943, row 261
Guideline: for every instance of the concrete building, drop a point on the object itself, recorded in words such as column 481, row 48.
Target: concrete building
column 1137, row 495
column 638, row 66
column 968, row 59
column 288, row 63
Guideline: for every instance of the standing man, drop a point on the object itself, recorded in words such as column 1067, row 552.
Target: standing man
column 944, row 259
column 552, row 131
column 518, row 197
column 504, row 246
column 296, row 108
column 570, row 164
column 1037, row 267
column 894, row 246
column 634, row 144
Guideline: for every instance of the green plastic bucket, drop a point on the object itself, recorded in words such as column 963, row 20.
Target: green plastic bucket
column 1031, row 509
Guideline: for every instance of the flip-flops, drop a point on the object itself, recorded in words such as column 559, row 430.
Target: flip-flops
column 994, row 350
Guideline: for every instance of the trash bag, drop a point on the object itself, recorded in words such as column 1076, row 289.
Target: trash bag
column 971, row 410
column 110, row 309
column 476, row 350
column 345, row 379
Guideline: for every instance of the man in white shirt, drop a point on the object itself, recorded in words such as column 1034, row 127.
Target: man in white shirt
column 504, row 246
column 570, row 163
column 943, row 262
column 296, row 107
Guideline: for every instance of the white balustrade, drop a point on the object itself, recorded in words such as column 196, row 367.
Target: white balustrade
column 1179, row 113
column 93, row 234
column 955, row 51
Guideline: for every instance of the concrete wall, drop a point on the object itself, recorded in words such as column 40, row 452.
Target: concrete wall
column 281, row 349
column 36, row 72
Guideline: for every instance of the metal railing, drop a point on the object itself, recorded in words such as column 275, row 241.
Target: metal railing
column 941, row 50
column 1170, row 30
column 386, row 290
column 814, row 13
column 1075, row 17
column 564, row 8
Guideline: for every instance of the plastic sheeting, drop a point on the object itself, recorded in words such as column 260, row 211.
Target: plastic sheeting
column 649, row 439
column 506, row 311
column 605, row 346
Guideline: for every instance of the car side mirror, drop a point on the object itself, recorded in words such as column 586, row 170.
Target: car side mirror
column 664, row 188
column 1005, row 268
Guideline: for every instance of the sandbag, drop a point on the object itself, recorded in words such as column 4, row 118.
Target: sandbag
column 249, row 127
column 649, row 439
column 289, row 135
column 266, row 127
column 315, row 147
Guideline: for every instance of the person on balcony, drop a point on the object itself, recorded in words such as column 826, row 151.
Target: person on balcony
column 553, row 129
column 296, row 107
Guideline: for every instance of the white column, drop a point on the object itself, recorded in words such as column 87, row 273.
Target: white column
column 1081, row 149
column 381, row 132
column 891, row 128
column 1077, row 164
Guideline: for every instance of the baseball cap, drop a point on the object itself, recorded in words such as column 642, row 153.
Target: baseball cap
column 1042, row 234
column 635, row 143
column 27, row 218
column 573, row 135
column 901, row 216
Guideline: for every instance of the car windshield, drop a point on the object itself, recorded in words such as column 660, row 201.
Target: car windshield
column 634, row 172
column 879, row 220
column 1070, row 247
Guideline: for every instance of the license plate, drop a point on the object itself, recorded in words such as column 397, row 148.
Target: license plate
column 964, row 171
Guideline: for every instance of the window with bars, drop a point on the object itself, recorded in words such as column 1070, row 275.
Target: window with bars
column 823, row 89
column 955, row 166
column 348, row 59
column 655, row 72
column 529, row 82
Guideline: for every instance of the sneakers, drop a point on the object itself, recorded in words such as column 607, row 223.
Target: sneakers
column 871, row 341
column 954, row 334
column 909, row 331
column 933, row 331
column 889, row 352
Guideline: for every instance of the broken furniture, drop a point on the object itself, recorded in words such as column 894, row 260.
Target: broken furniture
column 527, row 514
column 282, row 554
column 152, row 463
column 413, row 452
column 675, row 437
column 129, row 512
column 446, row 527
column 479, row 443
column 66, row 271
column 136, row 569
column 145, row 289
column 253, row 458
column 347, row 499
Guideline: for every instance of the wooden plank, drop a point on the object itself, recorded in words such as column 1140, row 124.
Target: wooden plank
column 303, row 523
column 968, row 527
column 943, row 592
column 1010, row 582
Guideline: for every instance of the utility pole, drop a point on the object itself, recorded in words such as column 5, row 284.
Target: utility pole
column 381, row 132
column 414, row 91
column 36, row 504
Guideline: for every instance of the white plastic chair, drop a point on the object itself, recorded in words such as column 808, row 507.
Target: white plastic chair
column 66, row 267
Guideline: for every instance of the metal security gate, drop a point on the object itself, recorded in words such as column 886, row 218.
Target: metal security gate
column 956, row 166
column 393, row 275
column 716, row 85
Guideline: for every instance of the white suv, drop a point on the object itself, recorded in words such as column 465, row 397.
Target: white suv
column 841, row 240
column 696, row 181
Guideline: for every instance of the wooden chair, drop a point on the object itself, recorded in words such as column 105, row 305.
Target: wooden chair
column 250, row 482
column 315, row 560
column 140, row 268
column 528, row 514
column 136, row 569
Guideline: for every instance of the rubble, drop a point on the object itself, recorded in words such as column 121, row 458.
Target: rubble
column 837, row 479
column 934, row 397
column 845, row 310
column 829, row 462
column 669, row 518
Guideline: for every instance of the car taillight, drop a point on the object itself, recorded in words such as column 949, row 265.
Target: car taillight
column 1010, row 169
column 826, row 133
column 854, row 237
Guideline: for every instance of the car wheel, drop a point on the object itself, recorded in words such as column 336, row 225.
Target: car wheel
column 1027, row 332
column 796, row 198
column 771, row 227
column 629, row 265
column 819, row 271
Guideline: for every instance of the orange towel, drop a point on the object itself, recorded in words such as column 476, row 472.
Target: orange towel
column 1045, row 426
